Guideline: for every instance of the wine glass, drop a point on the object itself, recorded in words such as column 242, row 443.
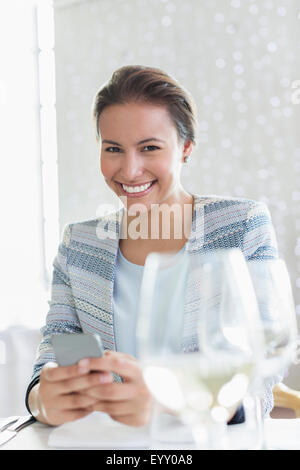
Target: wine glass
column 277, row 311
column 273, row 291
column 198, row 337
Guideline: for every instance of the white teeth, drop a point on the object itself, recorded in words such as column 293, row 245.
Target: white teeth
column 136, row 189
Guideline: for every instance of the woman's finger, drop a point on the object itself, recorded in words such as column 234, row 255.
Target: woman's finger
column 127, row 367
column 113, row 392
column 52, row 372
column 85, row 382
column 133, row 419
column 121, row 408
column 75, row 401
column 63, row 417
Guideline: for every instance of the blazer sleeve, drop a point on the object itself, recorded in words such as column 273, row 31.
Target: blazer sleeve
column 62, row 316
column 259, row 240
column 260, row 243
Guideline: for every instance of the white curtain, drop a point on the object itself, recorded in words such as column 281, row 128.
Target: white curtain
column 28, row 190
column 26, row 252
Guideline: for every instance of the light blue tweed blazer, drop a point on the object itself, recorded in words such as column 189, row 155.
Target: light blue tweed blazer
column 84, row 269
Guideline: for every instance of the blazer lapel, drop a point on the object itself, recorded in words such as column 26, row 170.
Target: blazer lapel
column 108, row 231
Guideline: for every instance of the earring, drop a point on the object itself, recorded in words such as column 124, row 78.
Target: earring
column 186, row 158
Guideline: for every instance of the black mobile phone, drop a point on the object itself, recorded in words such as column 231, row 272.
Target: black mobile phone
column 70, row 348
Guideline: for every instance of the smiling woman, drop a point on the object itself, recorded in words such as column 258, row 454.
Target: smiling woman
column 145, row 124
column 143, row 105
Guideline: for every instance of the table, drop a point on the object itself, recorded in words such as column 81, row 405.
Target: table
column 35, row 436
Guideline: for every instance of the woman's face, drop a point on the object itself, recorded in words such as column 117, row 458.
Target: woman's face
column 141, row 156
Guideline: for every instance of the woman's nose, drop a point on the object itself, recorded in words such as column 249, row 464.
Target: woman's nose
column 131, row 167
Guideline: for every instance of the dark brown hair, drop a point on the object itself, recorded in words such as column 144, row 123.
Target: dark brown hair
column 149, row 85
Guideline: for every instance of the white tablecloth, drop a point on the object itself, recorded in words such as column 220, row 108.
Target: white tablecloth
column 280, row 434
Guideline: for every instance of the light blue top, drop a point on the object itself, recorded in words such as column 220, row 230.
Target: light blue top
column 126, row 297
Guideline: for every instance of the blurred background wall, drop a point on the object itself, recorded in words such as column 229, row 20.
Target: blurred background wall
column 240, row 59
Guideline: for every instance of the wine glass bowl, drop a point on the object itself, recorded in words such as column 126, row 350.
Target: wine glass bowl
column 273, row 291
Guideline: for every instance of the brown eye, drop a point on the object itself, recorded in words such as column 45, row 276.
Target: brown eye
column 112, row 149
column 151, row 147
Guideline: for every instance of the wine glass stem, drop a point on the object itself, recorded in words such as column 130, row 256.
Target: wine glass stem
column 254, row 418
column 210, row 434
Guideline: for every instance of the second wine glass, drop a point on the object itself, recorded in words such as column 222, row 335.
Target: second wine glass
column 273, row 291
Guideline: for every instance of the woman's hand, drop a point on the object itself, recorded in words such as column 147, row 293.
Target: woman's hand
column 129, row 402
column 60, row 395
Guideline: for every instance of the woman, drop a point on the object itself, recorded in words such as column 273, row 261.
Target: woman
column 146, row 126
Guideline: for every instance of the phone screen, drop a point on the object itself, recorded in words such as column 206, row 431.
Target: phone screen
column 70, row 348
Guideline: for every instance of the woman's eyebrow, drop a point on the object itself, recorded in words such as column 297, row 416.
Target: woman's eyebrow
column 106, row 141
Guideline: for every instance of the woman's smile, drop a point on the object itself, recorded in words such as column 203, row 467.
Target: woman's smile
column 137, row 190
